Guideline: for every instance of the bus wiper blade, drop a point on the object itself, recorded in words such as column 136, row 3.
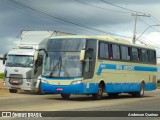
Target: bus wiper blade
column 55, row 67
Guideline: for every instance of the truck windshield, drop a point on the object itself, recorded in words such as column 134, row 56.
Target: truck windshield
column 62, row 64
column 63, row 57
column 19, row 61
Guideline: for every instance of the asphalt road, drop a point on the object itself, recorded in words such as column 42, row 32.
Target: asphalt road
column 33, row 102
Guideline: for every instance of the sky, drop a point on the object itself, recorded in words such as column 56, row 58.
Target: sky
column 84, row 17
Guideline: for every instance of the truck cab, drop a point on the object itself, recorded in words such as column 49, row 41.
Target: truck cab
column 22, row 69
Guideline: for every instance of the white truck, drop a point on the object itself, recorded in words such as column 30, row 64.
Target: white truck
column 23, row 64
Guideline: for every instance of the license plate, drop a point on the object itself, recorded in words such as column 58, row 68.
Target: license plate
column 15, row 81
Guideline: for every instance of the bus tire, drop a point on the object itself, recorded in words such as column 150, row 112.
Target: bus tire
column 141, row 92
column 98, row 95
column 13, row 90
column 65, row 96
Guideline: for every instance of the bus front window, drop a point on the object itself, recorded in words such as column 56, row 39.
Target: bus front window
column 62, row 64
column 63, row 57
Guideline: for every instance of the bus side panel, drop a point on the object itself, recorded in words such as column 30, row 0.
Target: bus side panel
column 122, row 87
column 82, row 88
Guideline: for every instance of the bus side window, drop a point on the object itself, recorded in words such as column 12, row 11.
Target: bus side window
column 139, row 55
column 110, row 52
column 144, row 56
column 116, row 52
column 151, row 56
column 135, row 54
column 103, row 50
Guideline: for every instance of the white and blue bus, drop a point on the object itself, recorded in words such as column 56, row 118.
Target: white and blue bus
column 96, row 65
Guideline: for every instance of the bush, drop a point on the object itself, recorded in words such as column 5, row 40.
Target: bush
column 1, row 75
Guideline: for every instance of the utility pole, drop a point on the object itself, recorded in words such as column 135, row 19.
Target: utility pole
column 135, row 24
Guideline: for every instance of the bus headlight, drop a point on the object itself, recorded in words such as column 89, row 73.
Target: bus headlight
column 44, row 81
column 76, row 82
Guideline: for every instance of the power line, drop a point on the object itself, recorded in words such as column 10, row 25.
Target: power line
column 101, row 7
column 148, row 24
column 147, row 40
column 122, row 7
column 33, row 10
column 144, row 42
column 155, row 22
column 155, row 19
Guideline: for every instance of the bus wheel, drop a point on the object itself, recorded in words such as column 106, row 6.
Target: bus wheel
column 65, row 96
column 12, row 90
column 98, row 95
column 141, row 92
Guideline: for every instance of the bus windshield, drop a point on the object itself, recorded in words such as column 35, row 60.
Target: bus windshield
column 63, row 57
column 19, row 61
column 62, row 64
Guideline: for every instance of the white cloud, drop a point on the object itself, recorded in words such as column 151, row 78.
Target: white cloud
column 7, row 43
column 152, row 38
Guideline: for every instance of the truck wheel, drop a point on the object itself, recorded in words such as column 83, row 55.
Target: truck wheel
column 13, row 90
column 98, row 95
column 65, row 96
column 40, row 92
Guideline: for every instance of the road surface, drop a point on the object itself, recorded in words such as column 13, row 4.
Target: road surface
column 32, row 102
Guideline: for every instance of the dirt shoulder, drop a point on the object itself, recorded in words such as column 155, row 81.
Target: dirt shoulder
column 3, row 91
column 1, row 84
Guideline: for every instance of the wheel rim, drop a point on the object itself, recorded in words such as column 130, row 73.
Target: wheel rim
column 100, row 91
column 142, row 91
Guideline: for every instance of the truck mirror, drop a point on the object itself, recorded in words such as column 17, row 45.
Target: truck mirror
column 36, row 55
column 4, row 58
column 4, row 61
column 35, row 70
column 82, row 55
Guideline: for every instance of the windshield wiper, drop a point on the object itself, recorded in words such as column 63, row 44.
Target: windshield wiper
column 60, row 59
column 10, row 64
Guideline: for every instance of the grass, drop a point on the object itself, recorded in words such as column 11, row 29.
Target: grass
column 1, row 75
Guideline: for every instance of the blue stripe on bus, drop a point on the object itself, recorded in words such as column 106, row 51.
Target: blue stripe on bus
column 60, row 78
column 128, row 87
column 125, row 67
column 93, row 88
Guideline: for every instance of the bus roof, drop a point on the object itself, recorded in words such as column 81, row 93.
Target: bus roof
column 107, row 38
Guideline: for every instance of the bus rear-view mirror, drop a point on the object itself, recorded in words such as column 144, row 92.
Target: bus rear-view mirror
column 36, row 55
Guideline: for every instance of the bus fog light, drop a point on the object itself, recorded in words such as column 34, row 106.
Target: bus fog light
column 76, row 82
column 28, row 80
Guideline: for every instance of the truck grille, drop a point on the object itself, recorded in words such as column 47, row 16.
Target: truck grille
column 16, row 79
